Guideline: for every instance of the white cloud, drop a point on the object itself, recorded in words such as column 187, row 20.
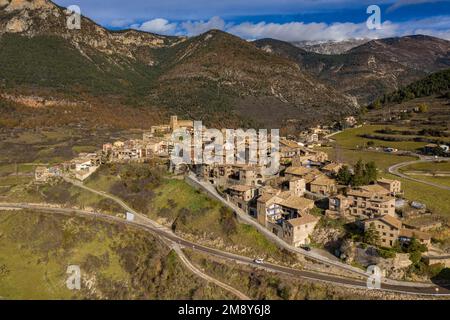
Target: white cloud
column 298, row 31
column 119, row 23
column 193, row 28
column 404, row 3
column 292, row 31
column 159, row 25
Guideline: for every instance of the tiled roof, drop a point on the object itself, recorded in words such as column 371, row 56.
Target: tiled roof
column 375, row 189
column 409, row 233
column 384, row 180
column 323, row 181
column 332, row 166
column 305, row 219
column 392, row 221
column 298, row 171
column 295, row 202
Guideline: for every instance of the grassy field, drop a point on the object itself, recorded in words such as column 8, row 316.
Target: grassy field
column 351, row 138
column 52, row 146
column 436, row 199
column 427, row 172
column 203, row 218
column 350, row 156
column 23, row 190
column 119, row 262
column 429, row 167
column 443, row 181
column 22, row 150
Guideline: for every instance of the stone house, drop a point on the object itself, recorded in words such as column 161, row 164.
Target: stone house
column 388, row 228
column 296, row 172
column 323, row 185
column 391, row 229
column 242, row 196
column 393, row 186
column 297, row 231
column 274, row 207
column 332, row 168
column 338, row 206
column 407, row 234
column 366, row 202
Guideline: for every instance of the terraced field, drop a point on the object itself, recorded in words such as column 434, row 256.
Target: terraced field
column 354, row 138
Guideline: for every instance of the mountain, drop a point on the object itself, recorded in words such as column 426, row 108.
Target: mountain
column 38, row 50
column 216, row 70
column 369, row 70
column 437, row 83
column 42, row 17
column 329, row 47
column 216, row 77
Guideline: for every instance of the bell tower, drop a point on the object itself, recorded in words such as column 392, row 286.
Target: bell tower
column 173, row 123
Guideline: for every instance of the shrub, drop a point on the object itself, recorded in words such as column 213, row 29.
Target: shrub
column 227, row 221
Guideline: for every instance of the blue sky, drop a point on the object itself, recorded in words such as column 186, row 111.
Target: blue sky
column 290, row 20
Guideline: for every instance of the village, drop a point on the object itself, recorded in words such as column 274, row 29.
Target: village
column 291, row 203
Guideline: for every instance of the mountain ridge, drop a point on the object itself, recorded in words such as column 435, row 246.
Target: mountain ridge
column 216, row 77
column 369, row 70
column 212, row 76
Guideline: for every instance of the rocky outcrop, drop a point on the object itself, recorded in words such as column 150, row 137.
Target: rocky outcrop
column 348, row 251
column 42, row 17
column 328, row 237
column 395, row 268
column 40, row 102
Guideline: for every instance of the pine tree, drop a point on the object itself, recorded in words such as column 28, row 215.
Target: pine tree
column 371, row 172
column 371, row 235
column 344, row 176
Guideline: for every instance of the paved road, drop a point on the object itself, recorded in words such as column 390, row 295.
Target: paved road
column 355, row 272
column 173, row 243
column 164, row 235
column 358, row 273
column 203, row 275
column 315, row 255
column 395, row 171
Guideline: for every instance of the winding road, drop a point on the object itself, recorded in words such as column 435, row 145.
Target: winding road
column 178, row 243
column 395, row 171
column 174, row 244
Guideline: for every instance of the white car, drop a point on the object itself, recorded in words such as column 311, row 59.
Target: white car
column 258, row 261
